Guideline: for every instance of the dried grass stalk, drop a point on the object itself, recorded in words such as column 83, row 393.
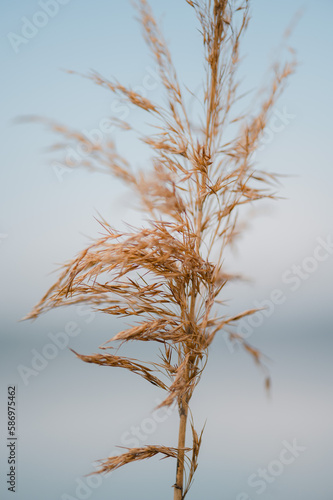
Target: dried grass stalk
column 133, row 455
column 169, row 275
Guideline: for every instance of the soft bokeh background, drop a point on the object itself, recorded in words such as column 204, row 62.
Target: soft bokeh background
column 70, row 413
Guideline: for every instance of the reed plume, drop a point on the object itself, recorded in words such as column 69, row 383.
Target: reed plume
column 168, row 275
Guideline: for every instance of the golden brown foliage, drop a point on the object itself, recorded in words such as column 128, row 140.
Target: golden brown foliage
column 133, row 455
column 169, row 274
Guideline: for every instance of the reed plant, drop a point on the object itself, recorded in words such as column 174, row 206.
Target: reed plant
column 168, row 276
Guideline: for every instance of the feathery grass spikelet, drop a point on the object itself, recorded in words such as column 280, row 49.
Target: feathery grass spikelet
column 169, row 275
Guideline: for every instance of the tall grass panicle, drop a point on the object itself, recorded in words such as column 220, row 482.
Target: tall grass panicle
column 168, row 275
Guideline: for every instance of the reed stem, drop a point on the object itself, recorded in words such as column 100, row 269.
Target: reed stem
column 178, row 486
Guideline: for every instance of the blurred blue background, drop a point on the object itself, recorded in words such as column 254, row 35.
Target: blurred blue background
column 70, row 413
